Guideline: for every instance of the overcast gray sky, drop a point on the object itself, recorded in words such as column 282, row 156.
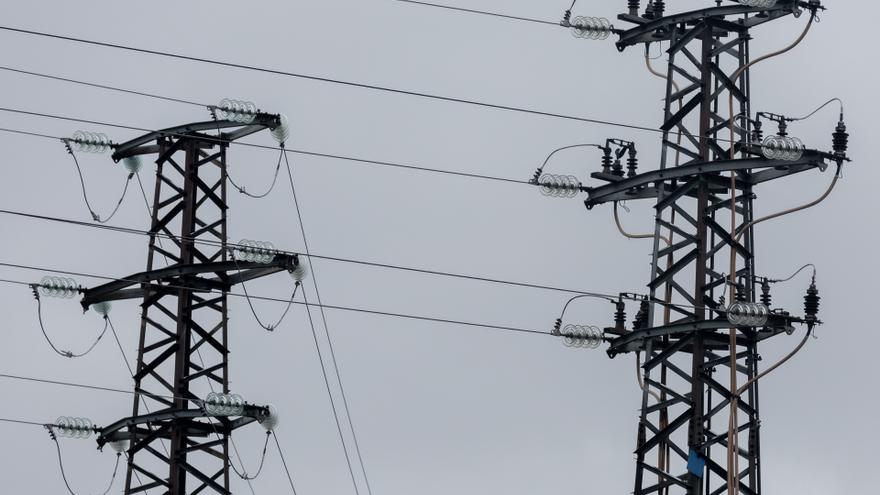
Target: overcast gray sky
column 438, row 408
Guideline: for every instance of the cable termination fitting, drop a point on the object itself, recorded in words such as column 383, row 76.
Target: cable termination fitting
column 811, row 304
column 840, row 140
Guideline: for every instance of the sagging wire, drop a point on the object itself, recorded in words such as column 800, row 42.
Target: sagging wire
column 85, row 195
column 54, row 437
column 628, row 235
column 243, row 475
column 64, row 353
column 244, row 191
column 732, row 433
column 268, row 328
column 213, row 111
column 814, row 112
column 540, row 170
column 795, row 274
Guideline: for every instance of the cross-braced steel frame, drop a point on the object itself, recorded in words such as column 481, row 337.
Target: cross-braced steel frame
column 175, row 447
column 683, row 429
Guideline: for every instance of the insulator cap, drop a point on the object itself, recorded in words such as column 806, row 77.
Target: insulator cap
column 133, row 164
column 300, row 272
column 270, row 421
column 70, row 427
column 102, row 308
column 255, row 251
column 282, row 131
column 120, row 446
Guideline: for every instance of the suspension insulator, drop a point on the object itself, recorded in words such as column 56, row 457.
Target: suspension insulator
column 594, row 28
column 240, row 111
column 764, row 4
column 58, row 287
column 746, row 314
column 217, row 404
column 620, row 315
column 560, row 186
column 582, row 336
column 811, row 302
column 783, row 148
column 90, row 142
column 766, row 298
column 840, row 140
column 634, row 6
column 641, row 319
column 256, row 251
column 69, row 427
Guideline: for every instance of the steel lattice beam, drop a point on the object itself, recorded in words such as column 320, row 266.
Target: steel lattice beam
column 174, row 445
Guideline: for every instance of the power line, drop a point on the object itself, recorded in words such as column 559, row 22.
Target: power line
column 22, row 422
column 218, row 140
column 481, row 12
column 100, row 86
column 286, row 301
column 302, row 230
column 127, row 230
column 329, row 80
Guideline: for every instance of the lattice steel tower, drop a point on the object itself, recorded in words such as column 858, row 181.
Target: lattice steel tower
column 682, row 434
column 175, row 445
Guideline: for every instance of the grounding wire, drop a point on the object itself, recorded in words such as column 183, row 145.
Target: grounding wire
column 323, row 79
column 481, row 12
column 284, row 462
column 302, row 230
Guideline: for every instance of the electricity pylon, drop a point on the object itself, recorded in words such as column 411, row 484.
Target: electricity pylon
column 175, row 444
column 683, row 429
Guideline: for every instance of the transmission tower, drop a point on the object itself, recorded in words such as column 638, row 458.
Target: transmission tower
column 683, row 429
column 176, row 441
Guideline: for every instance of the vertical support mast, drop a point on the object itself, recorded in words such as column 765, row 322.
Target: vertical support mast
column 682, row 442
column 176, row 445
